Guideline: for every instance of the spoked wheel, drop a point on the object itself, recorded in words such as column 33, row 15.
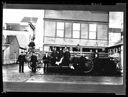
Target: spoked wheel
column 27, row 57
column 88, row 66
column 45, row 68
column 29, row 65
column 38, row 66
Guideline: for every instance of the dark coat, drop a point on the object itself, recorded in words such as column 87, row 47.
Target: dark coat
column 54, row 54
column 60, row 54
column 66, row 60
column 46, row 59
column 34, row 59
column 21, row 59
column 67, row 55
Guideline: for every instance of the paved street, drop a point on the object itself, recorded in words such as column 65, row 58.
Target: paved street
column 11, row 74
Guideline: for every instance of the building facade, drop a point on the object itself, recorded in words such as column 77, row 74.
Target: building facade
column 10, row 49
column 115, row 35
column 69, row 28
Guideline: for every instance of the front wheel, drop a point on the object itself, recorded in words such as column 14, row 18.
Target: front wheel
column 87, row 66
column 38, row 66
column 29, row 65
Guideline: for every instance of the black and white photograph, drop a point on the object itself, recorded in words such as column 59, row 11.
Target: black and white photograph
column 64, row 49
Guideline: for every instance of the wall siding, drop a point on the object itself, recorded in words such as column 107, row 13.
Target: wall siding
column 77, row 15
column 82, row 42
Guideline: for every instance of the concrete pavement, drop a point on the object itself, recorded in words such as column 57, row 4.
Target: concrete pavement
column 11, row 74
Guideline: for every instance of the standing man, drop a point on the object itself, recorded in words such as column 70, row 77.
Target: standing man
column 46, row 59
column 54, row 56
column 59, row 57
column 34, row 62
column 60, row 54
column 66, row 59
column 21, row 60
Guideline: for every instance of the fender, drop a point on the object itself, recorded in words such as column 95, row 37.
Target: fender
column 58, row 63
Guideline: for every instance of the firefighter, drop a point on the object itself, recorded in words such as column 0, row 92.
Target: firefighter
column 54, row 56
column 33, row 62
column 46, row 59
column 66, row 60
column 21, row 60
column 60, row 54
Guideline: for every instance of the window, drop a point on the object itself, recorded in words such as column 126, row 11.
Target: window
column 76, row 30
column 50, row 28
column 84, row 31
column 92, row 31
column 102, row 31
column 60, row 29
column 68, row 30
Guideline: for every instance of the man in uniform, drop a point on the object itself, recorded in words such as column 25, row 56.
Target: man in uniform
column 46, row 59
column 21, row 60
column 34, row 62
column 60, row 55
column 54, row 56
column 66, row 60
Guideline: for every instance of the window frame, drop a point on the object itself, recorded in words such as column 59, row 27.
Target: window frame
column 87, row 30
column 60, row 29
column 107, row 32
column 76, row 30
column 70, row 29
column 92, row 31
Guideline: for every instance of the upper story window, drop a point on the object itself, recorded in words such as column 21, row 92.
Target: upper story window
column 60, row 29
column 84, row 31
column 68, row 30
column 76, row 30
column 92, row 31
column 50, row 28
column 102, row 31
